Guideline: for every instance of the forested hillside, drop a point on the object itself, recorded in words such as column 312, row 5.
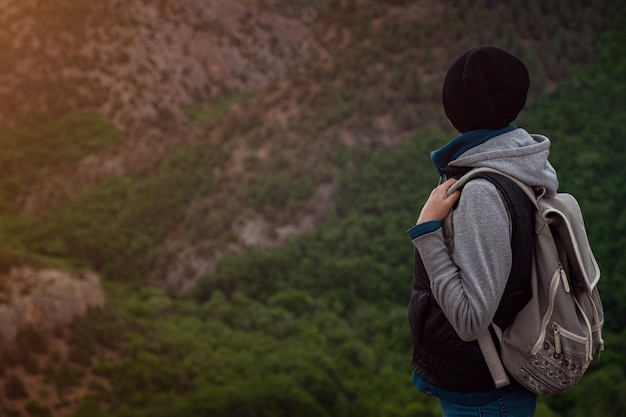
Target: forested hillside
column 256, row 263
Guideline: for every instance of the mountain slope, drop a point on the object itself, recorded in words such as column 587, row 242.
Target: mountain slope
column 198, row 163
column 294, row 84
column 329, row 74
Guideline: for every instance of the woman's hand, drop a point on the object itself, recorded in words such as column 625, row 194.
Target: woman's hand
column 439, row 203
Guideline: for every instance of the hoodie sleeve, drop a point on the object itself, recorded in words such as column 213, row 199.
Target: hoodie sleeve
column 468, row 284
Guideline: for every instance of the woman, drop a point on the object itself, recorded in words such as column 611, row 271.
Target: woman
column 484, row 278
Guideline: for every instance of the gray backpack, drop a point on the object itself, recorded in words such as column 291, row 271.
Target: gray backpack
column 553, row 339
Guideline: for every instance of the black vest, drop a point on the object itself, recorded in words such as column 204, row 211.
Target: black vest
column 439, row 355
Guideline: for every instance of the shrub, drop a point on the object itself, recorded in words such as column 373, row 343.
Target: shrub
column 35, row 410
column 30, row 339
column 14, row 388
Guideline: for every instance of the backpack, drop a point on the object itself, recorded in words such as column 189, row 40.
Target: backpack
column 554, row 338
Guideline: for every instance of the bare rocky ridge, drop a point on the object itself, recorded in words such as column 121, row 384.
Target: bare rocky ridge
column 251, row 230
column 137, row 61
column 44, row 298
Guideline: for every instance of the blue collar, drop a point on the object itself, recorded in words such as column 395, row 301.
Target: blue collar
column 453, row 149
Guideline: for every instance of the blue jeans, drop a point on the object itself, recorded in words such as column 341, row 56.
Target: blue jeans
column 518, row 402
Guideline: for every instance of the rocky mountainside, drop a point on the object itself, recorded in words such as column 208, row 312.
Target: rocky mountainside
column 138, row 61
column 266, row 91
column 140, row 64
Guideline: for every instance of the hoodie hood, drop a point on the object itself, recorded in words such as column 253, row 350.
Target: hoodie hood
column 517, row 153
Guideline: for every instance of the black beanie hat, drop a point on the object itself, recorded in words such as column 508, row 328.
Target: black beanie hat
column 485, row 88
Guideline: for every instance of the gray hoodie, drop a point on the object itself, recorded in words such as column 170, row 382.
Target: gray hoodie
column 468, row 284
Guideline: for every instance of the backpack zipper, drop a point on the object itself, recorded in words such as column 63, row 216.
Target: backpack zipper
column 589, row 331
column 566, row 286
column 554, row 286
column 560, row 333
column 557, row 340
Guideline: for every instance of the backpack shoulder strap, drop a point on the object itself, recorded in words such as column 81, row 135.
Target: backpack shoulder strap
column 492, row 358
column 528, row 190
column 486, row 341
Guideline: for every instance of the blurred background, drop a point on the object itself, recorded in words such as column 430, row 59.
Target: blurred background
column 204, row 203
